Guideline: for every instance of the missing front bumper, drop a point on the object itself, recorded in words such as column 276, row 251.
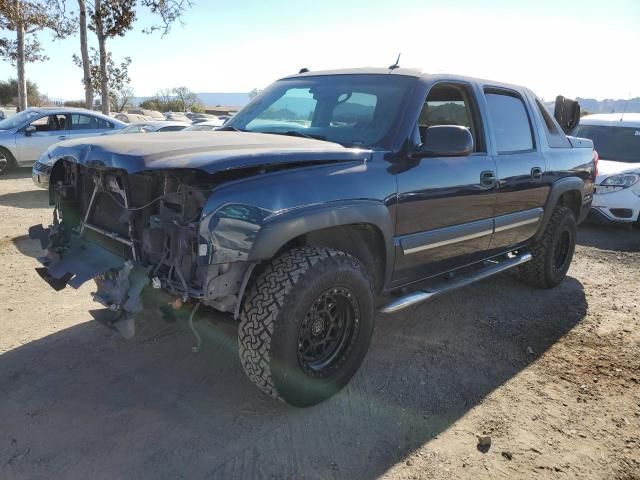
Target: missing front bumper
column 120, row 282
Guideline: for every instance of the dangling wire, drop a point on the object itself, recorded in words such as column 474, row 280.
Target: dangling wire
column 196, row 347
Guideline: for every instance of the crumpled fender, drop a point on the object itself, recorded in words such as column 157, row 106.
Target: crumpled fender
column 251, row 219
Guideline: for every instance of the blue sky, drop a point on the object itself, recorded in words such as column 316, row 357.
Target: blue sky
column 578, row 48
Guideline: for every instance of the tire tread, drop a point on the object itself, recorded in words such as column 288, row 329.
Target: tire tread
column 266, row 299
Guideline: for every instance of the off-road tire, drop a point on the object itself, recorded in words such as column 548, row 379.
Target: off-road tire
column 272, row 317
column 7, row 161
column 557, row 240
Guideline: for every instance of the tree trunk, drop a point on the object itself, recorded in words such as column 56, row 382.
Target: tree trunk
column 102, row 49
column 84, row 51
column 22, row 79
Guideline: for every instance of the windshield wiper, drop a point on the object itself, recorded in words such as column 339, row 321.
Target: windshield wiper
column 298, row 133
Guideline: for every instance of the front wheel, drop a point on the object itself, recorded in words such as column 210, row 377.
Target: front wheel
column 306, row 325
column 553, row 252
column 7, row 162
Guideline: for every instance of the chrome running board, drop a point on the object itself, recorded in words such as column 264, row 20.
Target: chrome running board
column 426, row 295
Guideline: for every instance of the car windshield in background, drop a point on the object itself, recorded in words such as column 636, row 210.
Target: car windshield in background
column 621, row 144
column 18, row 119
column 353, row 110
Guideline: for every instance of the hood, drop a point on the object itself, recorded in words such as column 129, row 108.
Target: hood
column 606, row 168
column 207, row 151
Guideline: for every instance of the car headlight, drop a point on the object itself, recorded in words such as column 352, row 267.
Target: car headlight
column 615, row 183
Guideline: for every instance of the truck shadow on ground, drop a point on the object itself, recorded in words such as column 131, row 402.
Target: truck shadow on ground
column 25, row 199
column 16, row 173
column 606, row 237
column 82, row 403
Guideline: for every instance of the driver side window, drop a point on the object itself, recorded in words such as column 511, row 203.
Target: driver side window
column 451, row 105
column 49, row 123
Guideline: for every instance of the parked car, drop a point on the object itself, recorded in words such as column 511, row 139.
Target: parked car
column 130, row 117
column 204, row 126
column 154, row 126
column 200, row 117
column 616, row 138
column 25, row 136
column 177, row 117
column 153, row 114
column 371, row 183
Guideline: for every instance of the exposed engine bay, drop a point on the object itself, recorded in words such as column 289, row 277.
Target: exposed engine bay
column 130, row 231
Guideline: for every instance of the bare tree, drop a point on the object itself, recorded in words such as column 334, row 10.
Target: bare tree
column 185, row 98
column 117, row 78
column 26, row 18
column 114, row 18
column 120, row 98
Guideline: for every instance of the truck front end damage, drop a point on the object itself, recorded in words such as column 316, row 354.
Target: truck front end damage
column 132, row 232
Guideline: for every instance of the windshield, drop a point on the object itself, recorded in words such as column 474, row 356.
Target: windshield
column 353, row 110
column 136, row 129
column 621, row 144
column 18, row 119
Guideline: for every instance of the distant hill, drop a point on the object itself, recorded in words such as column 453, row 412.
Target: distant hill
column 213, row 99
column 604, row 106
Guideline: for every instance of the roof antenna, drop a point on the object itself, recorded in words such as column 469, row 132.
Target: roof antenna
column 303, row 70
column 625, row 109
column 397, row 64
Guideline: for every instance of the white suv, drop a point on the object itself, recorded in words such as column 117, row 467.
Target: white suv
column 616, row 137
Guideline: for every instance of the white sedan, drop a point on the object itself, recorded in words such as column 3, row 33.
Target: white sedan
column 616, row 138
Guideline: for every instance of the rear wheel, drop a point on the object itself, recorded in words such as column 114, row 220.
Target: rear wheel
column 306, row 325
column 553, row 252
column 7, row 162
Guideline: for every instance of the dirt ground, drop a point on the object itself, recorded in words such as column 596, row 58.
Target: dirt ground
column 552, row 377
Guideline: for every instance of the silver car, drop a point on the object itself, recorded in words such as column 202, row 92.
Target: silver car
column 152, row 126
column 24, row 137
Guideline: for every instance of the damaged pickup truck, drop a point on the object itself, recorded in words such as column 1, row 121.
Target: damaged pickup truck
column 329, row 196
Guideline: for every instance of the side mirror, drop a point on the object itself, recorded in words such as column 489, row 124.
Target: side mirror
column 29, row 130
column 445, row 141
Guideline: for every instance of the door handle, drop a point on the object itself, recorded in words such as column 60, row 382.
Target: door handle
column 488, row 178
column 62, row 137
column 536, row 172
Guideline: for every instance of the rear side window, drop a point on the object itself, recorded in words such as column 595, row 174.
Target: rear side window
column 88, row 122
column 510, row 122
column 555, row 136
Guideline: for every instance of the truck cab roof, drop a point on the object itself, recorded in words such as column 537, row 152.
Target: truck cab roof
column 406, row 72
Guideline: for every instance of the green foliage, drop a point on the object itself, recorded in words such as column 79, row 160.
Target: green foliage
column 33, row 16
column 197, row 108
column 115, row 16
column 9, row 92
